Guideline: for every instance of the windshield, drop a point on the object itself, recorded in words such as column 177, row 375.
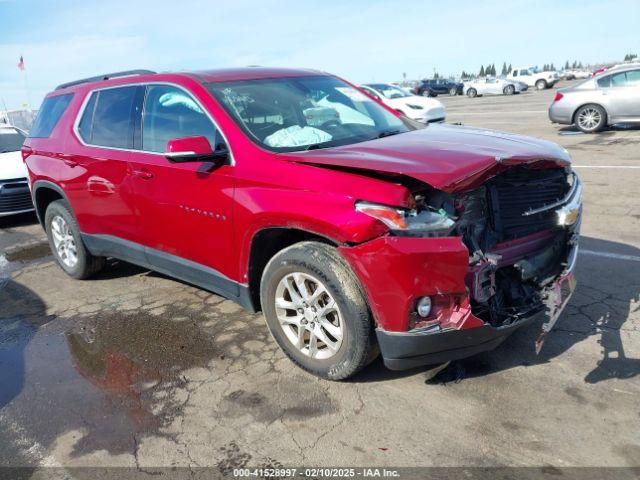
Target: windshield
column 11, row 140
column 300, row 113
column 390, row 91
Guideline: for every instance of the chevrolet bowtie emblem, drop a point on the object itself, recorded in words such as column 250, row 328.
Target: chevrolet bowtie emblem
column 568, row 215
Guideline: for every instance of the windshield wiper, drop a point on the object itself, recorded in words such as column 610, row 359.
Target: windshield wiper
column 387, row 133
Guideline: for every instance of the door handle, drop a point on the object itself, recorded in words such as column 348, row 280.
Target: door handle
column 143, row 174
column 70, row 163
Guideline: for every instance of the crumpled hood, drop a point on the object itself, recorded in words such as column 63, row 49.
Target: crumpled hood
column 447, row 157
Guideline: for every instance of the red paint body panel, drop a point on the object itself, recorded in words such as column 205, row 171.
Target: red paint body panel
column 396, row 271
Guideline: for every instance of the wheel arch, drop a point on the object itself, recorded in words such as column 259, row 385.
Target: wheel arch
column 43, row 193
column 267, row 242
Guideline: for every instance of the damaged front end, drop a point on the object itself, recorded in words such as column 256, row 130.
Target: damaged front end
column 521, row 229
column 491, row 259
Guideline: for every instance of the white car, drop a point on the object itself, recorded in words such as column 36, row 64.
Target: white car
column 540, row 80
column 421, row 109
column 15, row 196
column 492, row 86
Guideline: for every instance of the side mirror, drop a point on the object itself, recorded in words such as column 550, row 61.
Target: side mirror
column 194, row 149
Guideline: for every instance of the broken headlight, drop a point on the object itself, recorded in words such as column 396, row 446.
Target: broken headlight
column 426, row 222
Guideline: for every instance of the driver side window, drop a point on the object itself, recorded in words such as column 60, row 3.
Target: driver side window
column 169, row 113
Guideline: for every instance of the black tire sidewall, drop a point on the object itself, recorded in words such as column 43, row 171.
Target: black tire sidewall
column 61, row 208
column 316, row 260
column 472, row 93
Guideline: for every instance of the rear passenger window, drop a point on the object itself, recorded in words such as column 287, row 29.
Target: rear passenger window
column 107, row 120
column 50, row 112
column 169, row 113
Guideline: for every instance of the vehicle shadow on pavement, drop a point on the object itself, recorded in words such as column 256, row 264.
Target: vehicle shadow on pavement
column 572, row 130
column 607, row 296
column 20, row 220
column 22, row 313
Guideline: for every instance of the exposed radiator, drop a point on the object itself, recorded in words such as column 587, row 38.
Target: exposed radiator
column 520, row 189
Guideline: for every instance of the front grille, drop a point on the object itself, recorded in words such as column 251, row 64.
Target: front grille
column 14, row 196
column 519, row 190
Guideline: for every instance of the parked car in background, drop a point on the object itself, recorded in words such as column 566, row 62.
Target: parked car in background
column 609, row 98
column 575, row 74
column 581, row 74
column 493, row 86
column 14, row 187
column 438, row 86
column 539, row 80
column 421, row 109
column 350, row 231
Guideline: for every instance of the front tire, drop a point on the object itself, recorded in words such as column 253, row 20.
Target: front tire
column 316, row 311
column 590, row 118
column 66, row 243
column 541, row 85
column 509, row 90
column 453, row 91
column 472, row 93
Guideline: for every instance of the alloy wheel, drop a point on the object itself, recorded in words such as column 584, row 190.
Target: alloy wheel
column 309, row 316
column 589, row 118
column 63, row 241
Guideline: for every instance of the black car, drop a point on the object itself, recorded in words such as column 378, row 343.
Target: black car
column 436, row 86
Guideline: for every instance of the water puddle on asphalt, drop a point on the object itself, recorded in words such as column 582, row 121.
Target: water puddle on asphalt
column 28, row 253
column 109, row 375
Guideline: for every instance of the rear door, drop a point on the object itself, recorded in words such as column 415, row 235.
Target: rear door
column 621, row 93
column 185, row 208
column 96, row 171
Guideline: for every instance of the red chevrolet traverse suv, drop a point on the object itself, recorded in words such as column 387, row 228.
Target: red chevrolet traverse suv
column 353, row 229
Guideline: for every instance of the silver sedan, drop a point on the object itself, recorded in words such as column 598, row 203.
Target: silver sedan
column 609, row 98
column 493, row 86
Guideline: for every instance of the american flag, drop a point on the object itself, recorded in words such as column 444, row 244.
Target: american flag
column 21, row 63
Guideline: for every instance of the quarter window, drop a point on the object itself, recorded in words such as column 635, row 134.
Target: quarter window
column 50, row 112
column 170, row 113
column 107, row 118
column 604, row 82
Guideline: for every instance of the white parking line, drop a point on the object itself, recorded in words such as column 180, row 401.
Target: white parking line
column 617, row 256
column 451, row 110
column 606, row 166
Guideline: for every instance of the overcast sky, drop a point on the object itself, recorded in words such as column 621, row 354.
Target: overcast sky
column 361, row 40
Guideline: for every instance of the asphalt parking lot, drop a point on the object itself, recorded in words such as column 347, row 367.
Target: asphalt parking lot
column 134, row 369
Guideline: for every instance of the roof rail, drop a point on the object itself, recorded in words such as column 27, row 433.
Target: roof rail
column 106, row 76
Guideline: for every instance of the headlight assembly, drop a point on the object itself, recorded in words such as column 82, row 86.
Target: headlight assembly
column 427, row 222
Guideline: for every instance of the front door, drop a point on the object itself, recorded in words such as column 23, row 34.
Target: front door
column 185, row 208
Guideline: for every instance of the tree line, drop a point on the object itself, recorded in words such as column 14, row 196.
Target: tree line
column 491, row 71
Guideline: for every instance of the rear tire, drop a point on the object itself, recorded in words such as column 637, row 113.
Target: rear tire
column 66, row 242
column 590, row 118
column 317, row 312
column 472, row 93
